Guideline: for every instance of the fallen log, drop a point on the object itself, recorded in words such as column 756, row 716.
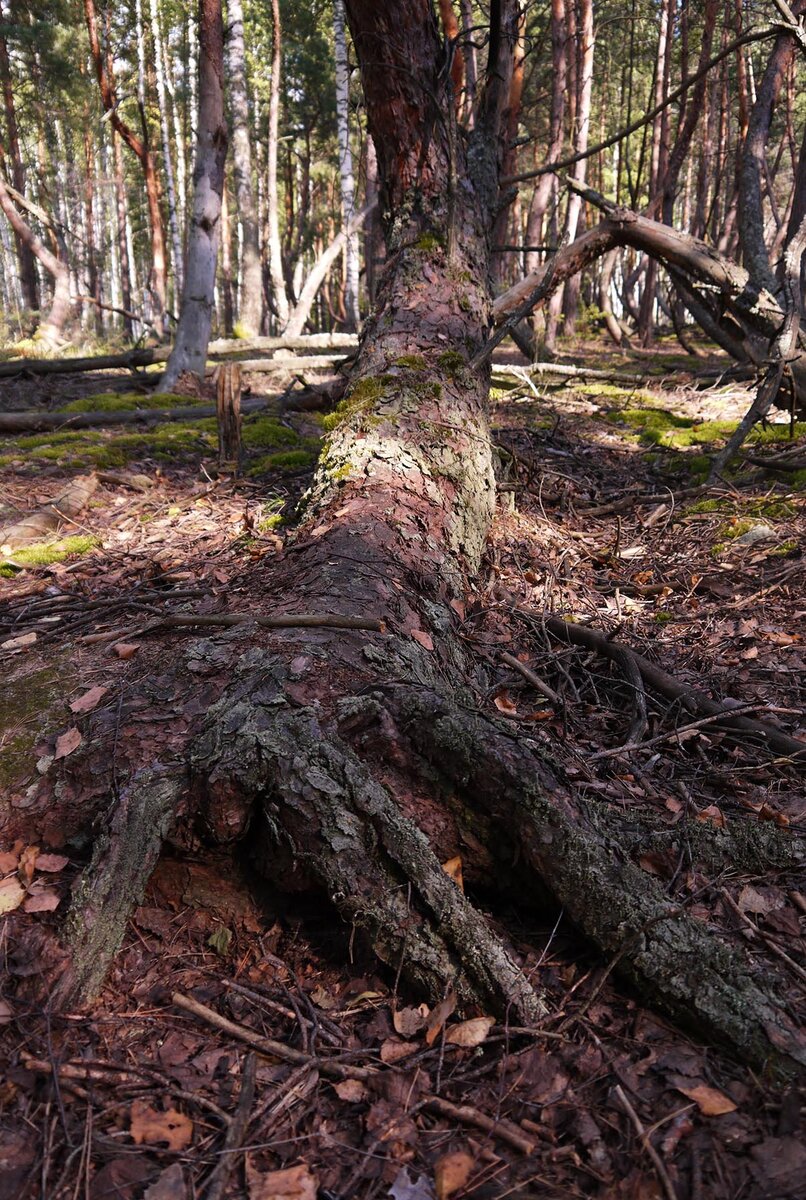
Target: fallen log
column 45, row 422
column 159, row 354
column 68, row 505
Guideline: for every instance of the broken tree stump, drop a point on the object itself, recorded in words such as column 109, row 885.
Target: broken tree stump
column 228, row 411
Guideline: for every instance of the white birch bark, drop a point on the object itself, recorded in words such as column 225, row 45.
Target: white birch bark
column 159, row 64
column 193, row 333
column 250, row 307
column 279, row 295
column 346, row 178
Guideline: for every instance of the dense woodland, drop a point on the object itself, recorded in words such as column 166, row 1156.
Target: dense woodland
column 401, row 599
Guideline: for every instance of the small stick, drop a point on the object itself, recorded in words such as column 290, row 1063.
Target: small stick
column 282, row 621
column 665, row 737
column 768, row 941
column 530, row 677
column 504, row 1130
column 219, row 1177
column 663, row 1174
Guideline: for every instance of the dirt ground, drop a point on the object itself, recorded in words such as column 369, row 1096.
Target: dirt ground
column 243, row 1045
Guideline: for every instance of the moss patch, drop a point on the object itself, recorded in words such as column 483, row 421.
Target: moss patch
column 362, row 397
column 45, row 553
column 129, row 401
column 263, row 433
column 287, row 460
column 25, row 709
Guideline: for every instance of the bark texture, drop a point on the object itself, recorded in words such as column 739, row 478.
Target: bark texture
column 192, row 336
column 250, row 307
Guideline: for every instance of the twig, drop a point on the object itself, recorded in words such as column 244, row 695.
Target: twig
column 768, row 941
column 219, row 1177
column 530, row 677
column 282, row 621
column 504, row 1130
column 665, row 737
column 663, row 1174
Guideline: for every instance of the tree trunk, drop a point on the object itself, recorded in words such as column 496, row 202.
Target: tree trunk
column 579, row 172
column 50, row 329
column 278, row 289
column 250, row 306
column 28, row 280
column 346, row 168
column 173, row 218
column 329, row 754
column 754, row 157
column 123, row 241
column 190, row 349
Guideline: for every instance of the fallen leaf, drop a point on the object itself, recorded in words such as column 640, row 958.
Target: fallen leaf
column 423, row 638
column 408, row 1022
column 752, row 901
column 27, row 863
column 169, row 1185
column 710, row 1101
column 470, row 1033
column 505, row 704
column 51, row 862
column 408, row 1187
column 768, row 813
column 712, row 814
column 6, row 1012
column 393, row 1051
column 89, row 700
column 44, row 901
column 453, row 868
column 12, row 894
column 459, row 607
column 67, row 742
column 9, row 860
column 452, row 1172
column 352, row 1090
column 150, row 1126
column 295, row 1183
column 125, row 650
column 438, row 1016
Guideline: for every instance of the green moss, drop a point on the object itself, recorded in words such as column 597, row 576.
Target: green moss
column 658, row 426
column 451, row 361
column 285, row 461
column 611, row 391
column 45, row 553
column 428, row 242
column 25, row 710
column 735, row 528
column 465, row 303
column 128, row 401
column 262, row 433
column 663, row 617
column 785, row 548
column 364, row 394
column 412, row 362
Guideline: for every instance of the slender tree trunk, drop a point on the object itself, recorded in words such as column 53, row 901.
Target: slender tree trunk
column 123, row 242
column 585, row 77
column 193, row 334
column 173, row 219
column 276, row 274
column 345, row 167
column 93, row 282
column 227, row 289
column 27, row 262
column 373, row 235
column 138, row 146
column 250, row 307
column 50, row 329
column 754, row 157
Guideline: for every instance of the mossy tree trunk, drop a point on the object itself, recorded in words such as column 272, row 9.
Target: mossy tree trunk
column 356, row 761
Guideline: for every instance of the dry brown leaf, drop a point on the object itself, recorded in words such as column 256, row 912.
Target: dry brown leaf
column 710, row 1101
column 42, row 901
column 150, row 1126
column 452, row 1173
column 423, row 638
column 169, row 1185
column 67, row 742
column 438, row 1016
column 459, row 607
column 408, row 1022
column 6, row 1012
column 453, row 868
column 27, row 863
column 51, row 862
column 89, row 700
column 12, row 894
column 504, row 703
column 125, row 650
column 470, row 1033
column 350, row 1089
column 712, row 814
column 295, row 1183
column 9, row 860
column 19, row 643
column 393, row 1051
column 768, row 813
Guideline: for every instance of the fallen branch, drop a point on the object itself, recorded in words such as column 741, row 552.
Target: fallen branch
column 535, row 680
column 46, row 520
column 692, row 699
column 159, row 354
column 506, row 1131
column 236, row 1131
column 282, row 621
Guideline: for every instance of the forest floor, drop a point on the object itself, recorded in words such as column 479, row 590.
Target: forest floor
column 605, row 518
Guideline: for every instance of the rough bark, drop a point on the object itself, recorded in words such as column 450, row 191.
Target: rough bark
column 27, row 266
column 279, row 295
column 250, row 306
column 193, row 334
column 50, row 329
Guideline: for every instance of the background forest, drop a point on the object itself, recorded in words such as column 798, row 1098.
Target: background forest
column 99, row 140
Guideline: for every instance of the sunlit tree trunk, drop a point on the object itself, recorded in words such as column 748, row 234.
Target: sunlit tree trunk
column 29, row 283
column 276, row 275
column 193, row 333
column 346, row 178
column 167, row 154
column 250, row 306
